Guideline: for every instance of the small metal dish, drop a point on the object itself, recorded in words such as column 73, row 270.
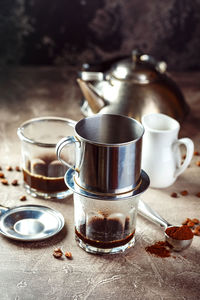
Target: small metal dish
column 30, row 222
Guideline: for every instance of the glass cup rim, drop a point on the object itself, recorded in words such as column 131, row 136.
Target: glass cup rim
column 23, row 137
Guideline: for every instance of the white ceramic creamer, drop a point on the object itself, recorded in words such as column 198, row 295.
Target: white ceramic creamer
column 161, row 155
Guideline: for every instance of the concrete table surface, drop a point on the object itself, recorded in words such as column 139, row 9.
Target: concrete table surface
column 29, row 270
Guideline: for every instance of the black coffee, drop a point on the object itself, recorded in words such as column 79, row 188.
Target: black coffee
column 105, row 233
column 45, row 174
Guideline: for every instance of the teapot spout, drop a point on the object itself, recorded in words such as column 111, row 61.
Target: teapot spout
column 95, row 101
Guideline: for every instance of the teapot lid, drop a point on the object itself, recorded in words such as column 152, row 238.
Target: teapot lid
column 140, row 68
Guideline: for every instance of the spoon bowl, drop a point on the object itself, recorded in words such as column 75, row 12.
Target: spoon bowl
column 177, row 245
column 148, row 213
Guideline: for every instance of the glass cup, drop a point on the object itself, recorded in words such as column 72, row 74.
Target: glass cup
column 105, row 226
column 42, row 172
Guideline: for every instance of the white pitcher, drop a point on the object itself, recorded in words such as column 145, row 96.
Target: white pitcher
column 161, row 155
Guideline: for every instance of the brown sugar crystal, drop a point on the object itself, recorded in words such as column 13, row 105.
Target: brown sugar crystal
column 186, row 221
column 190, row 224
column 4, row 181
column 195, row 221
column 196, row 231
column 23, row 198
column 2, row 175
column 196, row 153
column 174, row 195
column 15, row 182
column 57, row 253
column 9, row 168
column 68, row 255
column 184, row 193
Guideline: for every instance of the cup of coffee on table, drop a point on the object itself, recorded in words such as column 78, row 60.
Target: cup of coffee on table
column 43, row 173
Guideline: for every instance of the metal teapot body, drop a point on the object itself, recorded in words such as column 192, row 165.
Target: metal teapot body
column 132, row 87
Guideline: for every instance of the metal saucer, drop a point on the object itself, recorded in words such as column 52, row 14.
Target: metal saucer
column 30, row 222
column 71, row 183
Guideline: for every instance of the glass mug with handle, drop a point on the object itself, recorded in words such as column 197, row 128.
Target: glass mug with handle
column 43, row 173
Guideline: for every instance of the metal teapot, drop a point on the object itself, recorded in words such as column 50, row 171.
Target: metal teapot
column 133, row 86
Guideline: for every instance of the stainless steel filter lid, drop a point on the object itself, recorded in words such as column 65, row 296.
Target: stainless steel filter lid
column 70, row 180
column 30, row 222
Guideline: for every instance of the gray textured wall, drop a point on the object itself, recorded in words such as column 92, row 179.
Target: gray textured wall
column 72, row 32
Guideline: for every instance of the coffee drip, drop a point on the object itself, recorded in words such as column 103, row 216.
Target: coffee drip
column 106, row 179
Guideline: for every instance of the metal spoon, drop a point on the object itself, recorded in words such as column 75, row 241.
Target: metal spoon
column 147, row 212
